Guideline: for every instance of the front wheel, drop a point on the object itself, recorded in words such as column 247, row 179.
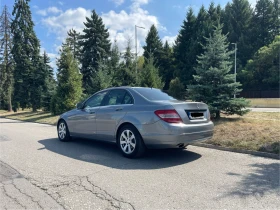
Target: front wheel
column 62, row 131
column 130, row 142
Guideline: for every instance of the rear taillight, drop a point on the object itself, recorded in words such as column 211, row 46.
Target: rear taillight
column 170, row 116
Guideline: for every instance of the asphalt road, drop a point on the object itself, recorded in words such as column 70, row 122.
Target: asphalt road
column 38, row 171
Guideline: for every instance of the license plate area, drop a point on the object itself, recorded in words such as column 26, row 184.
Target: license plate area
column 196, row 114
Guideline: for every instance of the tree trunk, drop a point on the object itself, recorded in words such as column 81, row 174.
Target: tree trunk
column 34, row 109
column 10, row 107
column 218, row 115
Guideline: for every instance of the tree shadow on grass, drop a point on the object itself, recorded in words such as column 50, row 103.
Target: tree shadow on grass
column 107, row 154
column 263, row 180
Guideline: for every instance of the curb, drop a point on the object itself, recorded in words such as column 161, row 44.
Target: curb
column 249, row 152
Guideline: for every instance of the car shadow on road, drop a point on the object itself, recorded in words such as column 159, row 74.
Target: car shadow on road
column 107, row 154
column 263, row 179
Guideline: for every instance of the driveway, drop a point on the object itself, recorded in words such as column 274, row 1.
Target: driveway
column 84, row 174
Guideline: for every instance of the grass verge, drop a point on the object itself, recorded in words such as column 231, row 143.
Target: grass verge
column 257, row 131
column 29, row 116
column 254, row 131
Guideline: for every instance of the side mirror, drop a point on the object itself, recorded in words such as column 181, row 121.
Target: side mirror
column 79, row 105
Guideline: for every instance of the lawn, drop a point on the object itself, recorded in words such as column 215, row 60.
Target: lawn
column 256, row 131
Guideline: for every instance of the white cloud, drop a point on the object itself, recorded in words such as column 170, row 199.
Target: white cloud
column 52, row 57
column 71, row 18
column 121, row 24
column 50, row 10
column 118, row 2
column 169, row 39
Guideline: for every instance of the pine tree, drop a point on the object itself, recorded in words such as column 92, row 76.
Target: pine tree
column 214, row 84
column 183, row 50
column 149, row 76
column 264, row 24
column 7, row 63
column 73, row 42
column 126, row 75
column 26, row 54
column 69, row 89
column 153, row 45
column 166, row 69
column 95, row 46
column 50, row 87
column 237, row 23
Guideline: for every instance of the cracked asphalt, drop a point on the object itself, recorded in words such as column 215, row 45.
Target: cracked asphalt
column 39, row 172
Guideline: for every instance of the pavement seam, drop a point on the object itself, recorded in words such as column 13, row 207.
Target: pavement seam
column 13, row 198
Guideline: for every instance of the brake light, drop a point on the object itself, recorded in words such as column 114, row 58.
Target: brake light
column 170, row 116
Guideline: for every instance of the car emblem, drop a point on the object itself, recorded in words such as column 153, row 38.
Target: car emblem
column 197, row 106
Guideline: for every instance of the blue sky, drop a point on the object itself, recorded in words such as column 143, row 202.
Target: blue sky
column 54, row 18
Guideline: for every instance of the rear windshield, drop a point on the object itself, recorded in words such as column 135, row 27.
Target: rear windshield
column 153, row 94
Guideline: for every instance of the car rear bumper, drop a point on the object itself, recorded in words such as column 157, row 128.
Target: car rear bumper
column 165, row 135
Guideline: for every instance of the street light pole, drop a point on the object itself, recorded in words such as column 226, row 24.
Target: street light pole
column 235, row 44
column 136, row 46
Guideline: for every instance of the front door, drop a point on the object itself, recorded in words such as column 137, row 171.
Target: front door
column 83, row 124
column 113, row 109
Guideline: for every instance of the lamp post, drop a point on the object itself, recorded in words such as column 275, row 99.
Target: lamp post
column 136, row 46
column 235, row 50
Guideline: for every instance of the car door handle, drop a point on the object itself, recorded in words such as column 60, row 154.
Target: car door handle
column 119, row 109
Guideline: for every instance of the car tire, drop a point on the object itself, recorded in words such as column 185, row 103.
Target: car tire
column 130, row 142
column 62, row 131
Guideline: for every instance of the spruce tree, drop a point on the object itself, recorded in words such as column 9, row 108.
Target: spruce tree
column 7, row 63
column 183, row 50
column 263, row 24
column 149, row 76
column 126, row 75
column 69, row 88
column 166, row 69
column 214, row 84
column 153, row 45
column 26, row 54
column 176, row 89
column 95, row 46
column 237, row 23
column 73, row 42
column 50, row 87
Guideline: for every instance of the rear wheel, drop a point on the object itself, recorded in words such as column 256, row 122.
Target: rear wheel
column 130, row 142
column 62, row 131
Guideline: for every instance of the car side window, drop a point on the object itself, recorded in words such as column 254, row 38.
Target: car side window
column 114, row 97
column 127, row 99
column 95, row 100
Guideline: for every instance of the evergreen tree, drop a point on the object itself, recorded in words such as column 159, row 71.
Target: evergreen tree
column 237, row 23
column 26, row 54
column 176, row 89
column 73, row 42
column 183, row 50
column 50, row 87
column 126, row 75
column 264, row 24
column 7, row 64
column 69, row 89
column 166, row 69
column 95, row 47
column 149, row 76
column 153, row 45
column 214, row 84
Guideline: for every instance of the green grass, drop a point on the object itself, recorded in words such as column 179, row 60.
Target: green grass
column 256, row 131
column 29, row 116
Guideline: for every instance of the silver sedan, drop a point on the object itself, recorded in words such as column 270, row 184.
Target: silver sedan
column 137, row 118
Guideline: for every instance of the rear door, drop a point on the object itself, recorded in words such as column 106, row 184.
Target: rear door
column 114, row 107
